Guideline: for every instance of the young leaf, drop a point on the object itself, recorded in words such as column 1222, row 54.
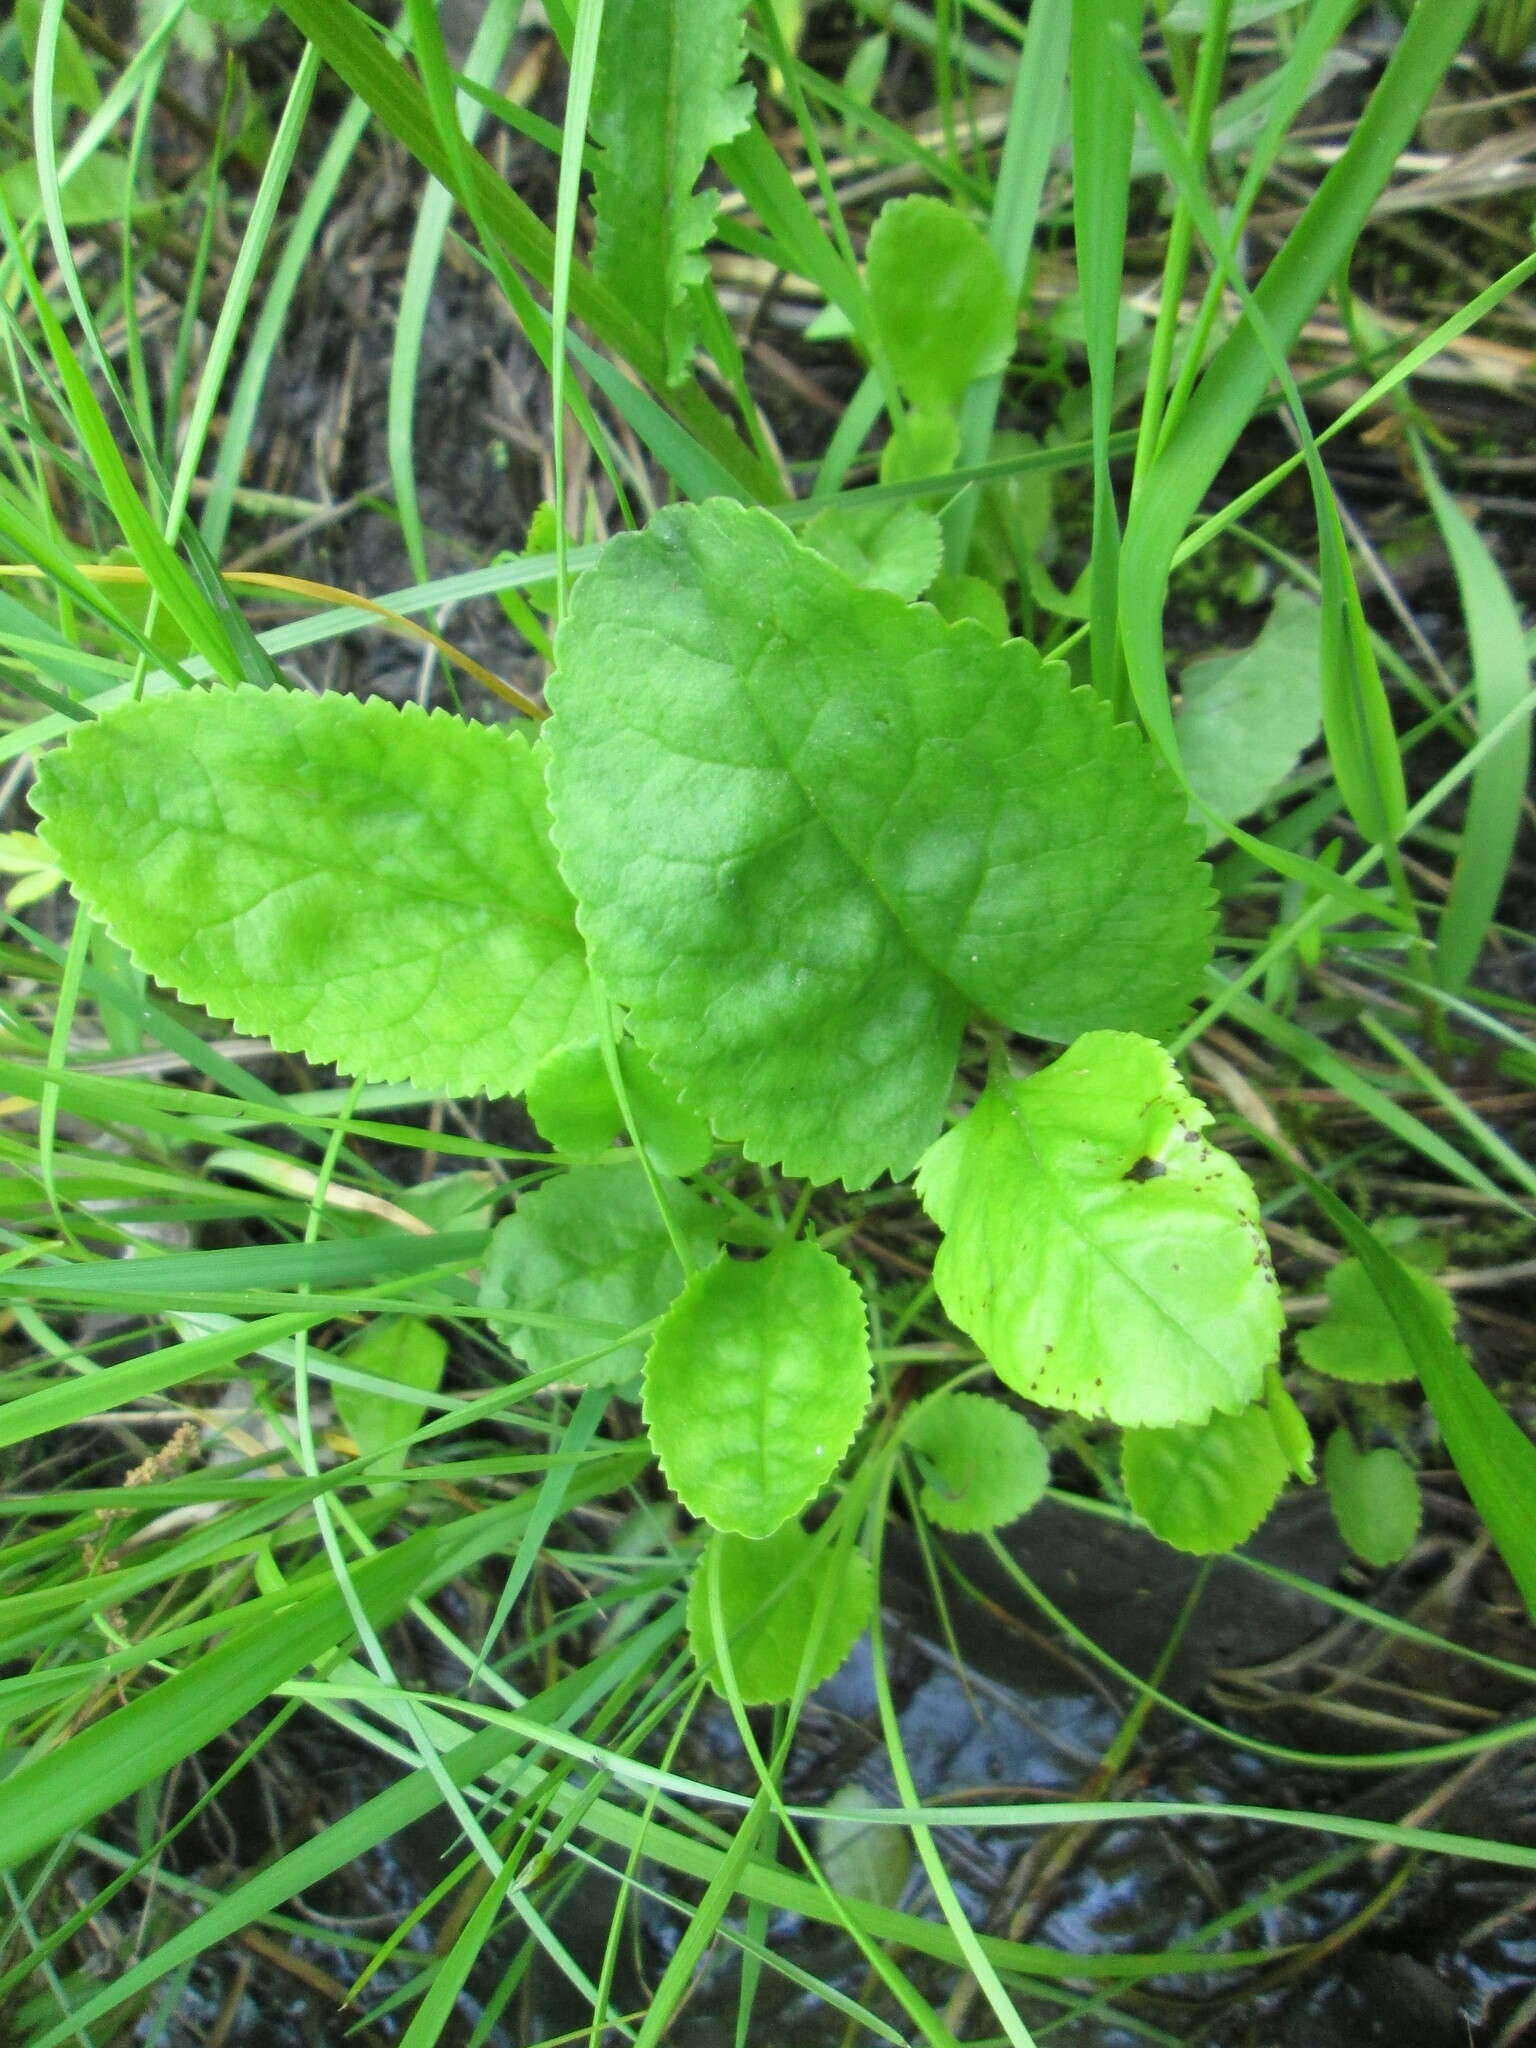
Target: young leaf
column 836, row 828
column 400, row 1348
column 1358, row 1339
column 786, row 1602
column 985, row 1464
column 754, row 1385
column 664, row 95
column 366, row 885
column 1101, row 1253
column 940, row 301
column 1375, row 1496
column 1247, row 718
column 1205, row 1486
column 887, row 547
column 591, row 1246
column 1290, row 1425
column 571, row 1099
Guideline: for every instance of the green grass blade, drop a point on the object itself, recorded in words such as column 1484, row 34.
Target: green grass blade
column 1103, row 123
column 1233, row 386
column 1501, row 675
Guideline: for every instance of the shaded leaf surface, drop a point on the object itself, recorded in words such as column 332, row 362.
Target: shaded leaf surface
column 1102, row 1254
column 813, row 830
column 1205, row 1486
column 1248, row 718
column 755, row 1384
column 590, row 1245
column 362, row 884
column 1375, row 1496
column 778, row 1598
column 403, row 1349
column 887, row 547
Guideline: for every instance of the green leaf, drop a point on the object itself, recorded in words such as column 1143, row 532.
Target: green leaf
column 366, row 885
column 755, row 1384
column 984, row 1464
column 664, row 95
column 940, row 301
column 1358, row 1338
column 1247, row 718
column 1375, row 1496
column 970, row 597
column 1290, row 1425
column 399, row 1348
column 571, row 1099
column 1102, row 1254
column 862, row 1859
column 837, row 828
column 792, row 1610
column 1205, row 1486
column 591, row 1246
column 74, row 82
column 99, row 192
column 924, row 445
column 885, row 547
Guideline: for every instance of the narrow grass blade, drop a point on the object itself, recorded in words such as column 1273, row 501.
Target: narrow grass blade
column 1501, row 676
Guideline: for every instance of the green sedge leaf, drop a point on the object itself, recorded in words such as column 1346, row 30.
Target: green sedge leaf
column 591, row 1249
column 940, row 301
column 365, row 885
column 985, row 1464
column 836, row 828
column 1358, row 1338
column 755, row 1383
column 403, row 1349
column 1247, row 718
column 1205, row 1486
column 664, row 95
column 1102, row 1254
column 1375, row 1498
column 571, row 1099
column 885, row 547
column 792, row 1609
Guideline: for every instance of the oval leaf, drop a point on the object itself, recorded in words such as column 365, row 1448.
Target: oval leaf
column 366, row 885
column 792, row 1610
column 940, row 300
column 755, row 1383
column 1205, row 1486
column 985, row 1464
column 407, row 1351
column 836, row 828
column 1375, row 1496
column 1101, row 1253
column 589, row 1257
